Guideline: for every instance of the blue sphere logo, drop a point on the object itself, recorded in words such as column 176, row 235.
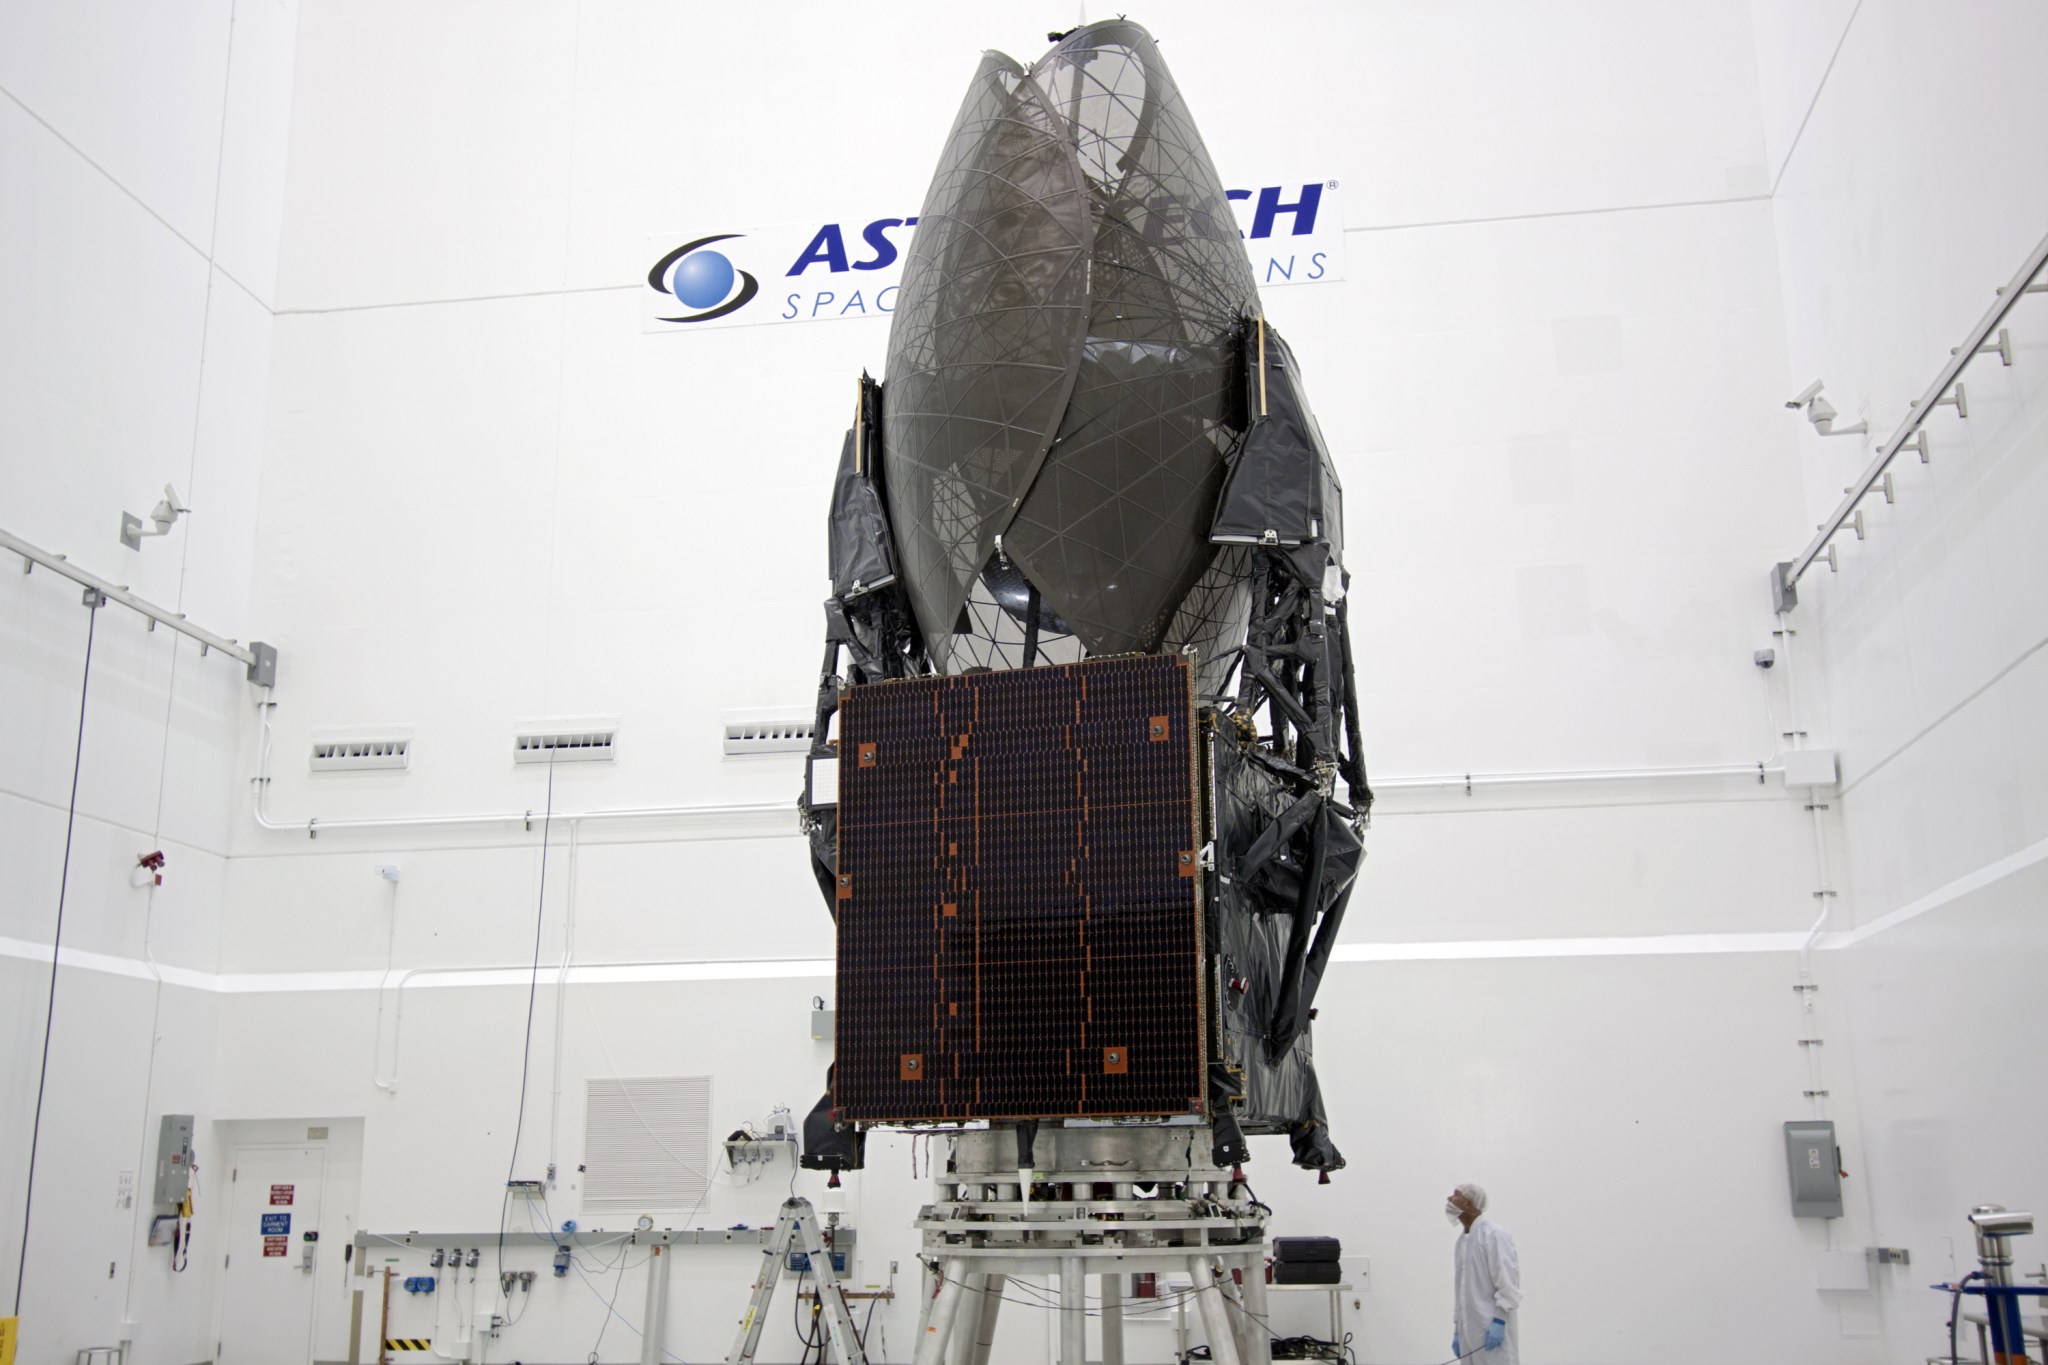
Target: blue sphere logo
column 701, row 279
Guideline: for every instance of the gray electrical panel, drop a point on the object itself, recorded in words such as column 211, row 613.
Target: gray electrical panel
column 173, row 1159
column 1814, row 1164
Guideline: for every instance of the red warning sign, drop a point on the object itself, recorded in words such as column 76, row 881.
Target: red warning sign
column 281, row 1194
column 277, row 1246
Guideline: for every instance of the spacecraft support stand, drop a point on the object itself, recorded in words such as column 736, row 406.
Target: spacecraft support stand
column 1079, row 1215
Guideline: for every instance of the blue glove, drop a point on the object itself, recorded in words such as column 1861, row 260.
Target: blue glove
column 1496, row 1333
column 1455, row 1352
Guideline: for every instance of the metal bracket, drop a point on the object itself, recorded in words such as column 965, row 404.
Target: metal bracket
column 263, row 668
column 1784, row 588
column 1884, row 485
column 1918, row 445
column 2002, row 348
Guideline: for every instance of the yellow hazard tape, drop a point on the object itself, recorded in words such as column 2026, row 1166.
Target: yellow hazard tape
column 408, row 1344
column 10, row 1332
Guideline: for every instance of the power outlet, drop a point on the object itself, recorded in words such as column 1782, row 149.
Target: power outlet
column 1357, row 1271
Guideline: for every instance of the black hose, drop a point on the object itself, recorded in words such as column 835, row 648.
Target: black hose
column 1955, row 1306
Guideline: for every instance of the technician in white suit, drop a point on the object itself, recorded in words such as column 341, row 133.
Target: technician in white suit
column 1489, row 1283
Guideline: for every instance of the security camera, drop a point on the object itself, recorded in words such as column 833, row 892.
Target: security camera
column 1764, row 658
column 167, row 510
column 162, row 518
column 1806, row 395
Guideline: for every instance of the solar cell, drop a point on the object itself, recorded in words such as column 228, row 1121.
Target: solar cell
column 1019, row 908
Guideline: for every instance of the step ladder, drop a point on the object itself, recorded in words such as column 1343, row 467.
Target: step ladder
column 797, row 1230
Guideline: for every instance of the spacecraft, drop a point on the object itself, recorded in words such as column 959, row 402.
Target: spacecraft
column 1086, row 797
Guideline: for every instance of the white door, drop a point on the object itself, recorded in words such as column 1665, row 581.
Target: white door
column 273, row 1255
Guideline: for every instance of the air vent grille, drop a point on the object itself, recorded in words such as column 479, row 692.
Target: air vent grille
column 784, row 730
column 354, row 754
column 588, row 744
column 646, row 1143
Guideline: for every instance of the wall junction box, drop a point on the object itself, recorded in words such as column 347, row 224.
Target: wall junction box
column 1809, row 767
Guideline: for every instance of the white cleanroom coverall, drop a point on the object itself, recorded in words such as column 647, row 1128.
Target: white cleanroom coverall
column 1489, row 1286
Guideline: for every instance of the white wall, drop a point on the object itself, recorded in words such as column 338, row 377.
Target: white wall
column 142, row 149
column 1898, row 214
column 473, row 491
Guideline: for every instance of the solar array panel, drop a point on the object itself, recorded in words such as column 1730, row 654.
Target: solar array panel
column 1018, row 895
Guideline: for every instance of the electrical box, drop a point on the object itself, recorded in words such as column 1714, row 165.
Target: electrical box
column 1814, row 1164
column 173, row 1159
column 842, row 1239
column 1810, row 767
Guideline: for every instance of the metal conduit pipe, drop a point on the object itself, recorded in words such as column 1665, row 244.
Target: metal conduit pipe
column 1755, row 772
column 314, row 826
column 1785, row 577
column 260, row 659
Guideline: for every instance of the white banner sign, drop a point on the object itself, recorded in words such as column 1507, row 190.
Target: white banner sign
column 808, row 272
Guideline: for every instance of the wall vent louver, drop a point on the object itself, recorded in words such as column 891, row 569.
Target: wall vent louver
column 569, row 742
column 767, row 732
column 361, row 752
column 646, row 1143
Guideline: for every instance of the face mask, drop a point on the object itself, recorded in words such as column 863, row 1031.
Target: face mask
column 1451, row 1213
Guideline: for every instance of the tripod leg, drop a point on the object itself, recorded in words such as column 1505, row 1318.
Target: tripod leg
column 1215, row 1314
column 985, row 1320
column 1258, row 1316
column 1113, row 1318
column 1073, row 1312
column 960, row 1351
column 931, row 1343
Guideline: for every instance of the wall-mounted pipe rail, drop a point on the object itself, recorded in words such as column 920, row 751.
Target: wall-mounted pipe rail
column 261, row 659
column 1983, row 339
column 777, row 819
